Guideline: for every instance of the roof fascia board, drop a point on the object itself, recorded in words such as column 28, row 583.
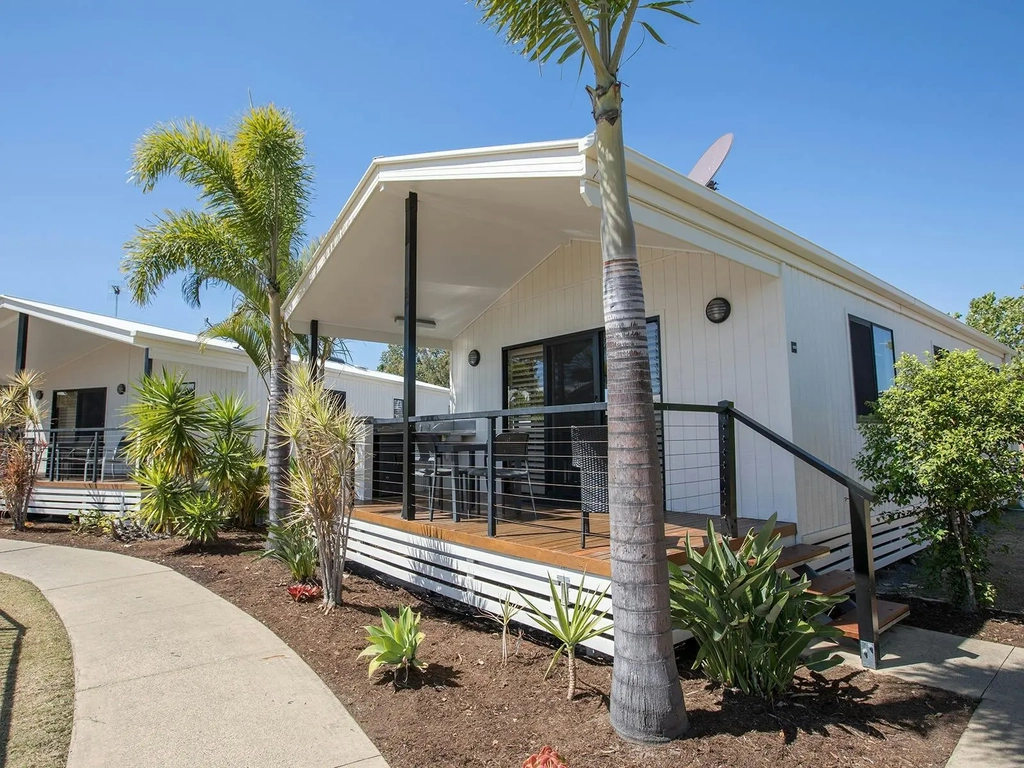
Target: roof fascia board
column 796, row 251
column 69, row 321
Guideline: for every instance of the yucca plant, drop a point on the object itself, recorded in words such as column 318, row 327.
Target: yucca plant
column 325, row 438
column 574, row 623
column 753, row 623
column 395, row 642
column 295, row 547
column 509, row 610
column 22, row 443
column 163, row 495
column 168, row 424
column 201, row 518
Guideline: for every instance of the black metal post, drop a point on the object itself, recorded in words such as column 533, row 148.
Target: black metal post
column 864, row 574
column 95, row 455
column 492, row 521
column 409, row 406
column 147, row 363
column 21, row 348
column 727, row 468
column 314, row 349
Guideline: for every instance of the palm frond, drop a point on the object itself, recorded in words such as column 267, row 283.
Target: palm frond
column 249, row 331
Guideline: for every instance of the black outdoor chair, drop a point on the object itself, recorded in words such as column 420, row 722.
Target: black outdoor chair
column 510, row 450
column 590, row 457
column 428, row 466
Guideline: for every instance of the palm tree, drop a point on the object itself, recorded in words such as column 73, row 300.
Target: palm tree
column 646, row 698
column 254, row 187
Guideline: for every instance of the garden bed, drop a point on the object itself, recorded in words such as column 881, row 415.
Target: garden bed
column 467, row 710
column 940, row 616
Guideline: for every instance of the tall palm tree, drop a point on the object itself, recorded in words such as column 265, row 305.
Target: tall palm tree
column 254, row 186
column 646, row 699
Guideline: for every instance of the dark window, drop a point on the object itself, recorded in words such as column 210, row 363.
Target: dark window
column 874, row 362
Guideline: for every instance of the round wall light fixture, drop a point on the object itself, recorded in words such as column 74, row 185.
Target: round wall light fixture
column 718, row 310
column 121, row 389
column 474, row 357
column 39, row 394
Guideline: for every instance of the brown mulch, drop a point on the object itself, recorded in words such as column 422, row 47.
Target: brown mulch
column 467, row 710
column 940, row 616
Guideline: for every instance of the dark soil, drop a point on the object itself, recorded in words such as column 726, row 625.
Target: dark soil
column 467, row 710
column 940, row 616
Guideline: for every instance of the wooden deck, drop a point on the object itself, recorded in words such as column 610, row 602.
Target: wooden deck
column 553, row 538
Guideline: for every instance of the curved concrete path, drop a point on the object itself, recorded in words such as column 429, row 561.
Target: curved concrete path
column 168, row 673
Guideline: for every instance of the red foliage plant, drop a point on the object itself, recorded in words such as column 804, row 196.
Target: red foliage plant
column 303, row 592
column 546, row 758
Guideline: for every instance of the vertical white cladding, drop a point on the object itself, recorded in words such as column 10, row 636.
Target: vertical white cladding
column 369, row 393
column 742, row 359
column 821, row 377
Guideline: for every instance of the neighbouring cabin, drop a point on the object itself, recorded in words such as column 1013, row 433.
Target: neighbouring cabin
column 89, row 363
column 765, row 350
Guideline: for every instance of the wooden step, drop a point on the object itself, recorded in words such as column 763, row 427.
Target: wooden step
column 888, row 615
column 798, row 554
column 832, row 583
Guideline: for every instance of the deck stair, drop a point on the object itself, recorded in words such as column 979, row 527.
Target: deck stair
column 889, row 614
column 835, row 583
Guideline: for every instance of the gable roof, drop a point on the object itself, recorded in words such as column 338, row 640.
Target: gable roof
column 141, row 334
column 495, row 212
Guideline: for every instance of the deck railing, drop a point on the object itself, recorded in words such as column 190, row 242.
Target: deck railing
column 547, row 466
column 84, row 454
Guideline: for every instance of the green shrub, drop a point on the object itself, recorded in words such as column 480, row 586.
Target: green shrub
column 943, row 444
column 201, row 518
column 752, row 622
column 574, row 623
column 395, row 642
column 92, row 521
column 295, row 546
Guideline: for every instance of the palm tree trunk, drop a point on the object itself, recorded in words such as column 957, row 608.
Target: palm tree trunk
column 646, row 698
column 278, row 448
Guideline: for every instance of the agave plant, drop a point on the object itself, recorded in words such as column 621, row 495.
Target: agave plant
column 395, row 642
column 546, row 758
column 574, row 623
column 752, row 622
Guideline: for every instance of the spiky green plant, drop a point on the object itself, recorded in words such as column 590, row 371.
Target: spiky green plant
column 325, row 438
column 509, row 609
column 395, row 642
column 22, row 443
column 295, row 548
column 201, row 518
column 752, row 622
column 574, row 623
column 163, row 496
column 168, row 423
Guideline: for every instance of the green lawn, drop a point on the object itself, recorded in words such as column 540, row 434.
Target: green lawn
column 37, row 682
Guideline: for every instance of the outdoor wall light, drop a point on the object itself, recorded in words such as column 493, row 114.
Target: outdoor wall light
column 474, row 357
column 400, row 320
column 121, row 389
column 39, row 394
column 718, row 310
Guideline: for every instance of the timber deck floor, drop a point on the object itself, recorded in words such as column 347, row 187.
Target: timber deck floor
column 552, row 538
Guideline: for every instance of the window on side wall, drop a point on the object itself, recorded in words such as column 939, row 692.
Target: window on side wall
column 874, row 362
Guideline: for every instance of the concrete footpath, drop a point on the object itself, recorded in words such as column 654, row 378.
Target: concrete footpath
column 169, row 674
column 982, row 670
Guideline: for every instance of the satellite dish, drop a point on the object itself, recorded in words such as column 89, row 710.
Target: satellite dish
column 705, row 169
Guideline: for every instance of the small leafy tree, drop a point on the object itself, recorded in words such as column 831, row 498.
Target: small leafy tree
column 326, row 438
column 432, row 365
column 1001, row 317
column 22, row 443
column 944, row 444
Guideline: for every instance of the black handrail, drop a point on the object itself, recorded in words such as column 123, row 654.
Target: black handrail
column 804, row 456
column 542, row 410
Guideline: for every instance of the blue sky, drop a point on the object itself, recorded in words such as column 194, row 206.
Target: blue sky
column 889, row 133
